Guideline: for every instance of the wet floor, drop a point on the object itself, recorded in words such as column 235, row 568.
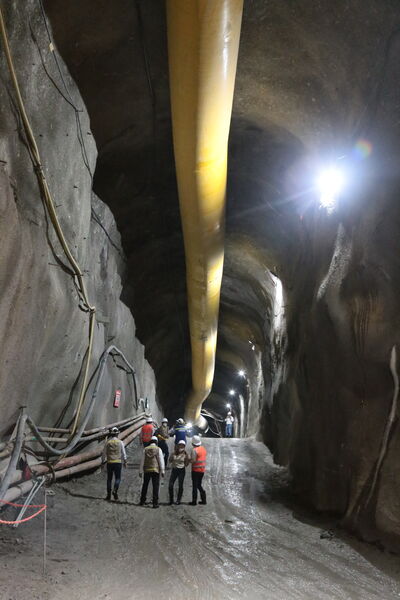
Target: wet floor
column 245, row 544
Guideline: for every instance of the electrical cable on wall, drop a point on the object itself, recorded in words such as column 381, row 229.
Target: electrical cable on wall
column 51, row 210
column 74, row 269
column 68, row 98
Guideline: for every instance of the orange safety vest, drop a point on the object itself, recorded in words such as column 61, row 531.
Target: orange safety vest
column 147, row 432
column 199, row 465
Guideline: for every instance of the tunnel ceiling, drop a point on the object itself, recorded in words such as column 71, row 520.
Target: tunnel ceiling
column 308, row 77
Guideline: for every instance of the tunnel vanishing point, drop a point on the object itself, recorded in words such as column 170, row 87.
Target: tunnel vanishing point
column 200, row 208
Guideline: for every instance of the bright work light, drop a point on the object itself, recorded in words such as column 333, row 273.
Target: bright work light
column 329, row 184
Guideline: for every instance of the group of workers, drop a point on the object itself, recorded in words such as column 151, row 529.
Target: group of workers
column 155, row 458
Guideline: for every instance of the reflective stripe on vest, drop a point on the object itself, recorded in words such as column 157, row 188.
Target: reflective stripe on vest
column 162, row 433
column 147, row 432
column 200, row 464
column 180, row 433
column 151, row 454
column 113, row 451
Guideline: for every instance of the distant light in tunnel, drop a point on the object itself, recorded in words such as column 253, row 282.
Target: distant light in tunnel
column 278, row 310
column 228, row 406
column 329, row 184
column 241, row 373
column 232, row 392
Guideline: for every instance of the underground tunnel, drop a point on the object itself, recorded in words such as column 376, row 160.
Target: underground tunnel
column 200, row 220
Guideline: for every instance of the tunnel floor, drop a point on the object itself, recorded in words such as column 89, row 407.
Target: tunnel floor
column 249, row 542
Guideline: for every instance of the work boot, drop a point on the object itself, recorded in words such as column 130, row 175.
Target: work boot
column 171, row 500
column 155, row 506
column 108, row 497
column 203, row 498
column 192, row 503
column 115, row 494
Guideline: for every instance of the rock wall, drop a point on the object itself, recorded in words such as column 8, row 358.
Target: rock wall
column 43, row 331
column 314, row 80
column 334, row 414
column 118, row 58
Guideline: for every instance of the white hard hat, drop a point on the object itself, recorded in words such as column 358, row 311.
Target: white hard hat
column 196, row 441
column 114, row 430
column 154, row 439
column 182, row 442
column 180, row 421
column 149, row 420
column 164, row 420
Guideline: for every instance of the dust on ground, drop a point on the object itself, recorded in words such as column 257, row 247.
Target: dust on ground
column 247, row 543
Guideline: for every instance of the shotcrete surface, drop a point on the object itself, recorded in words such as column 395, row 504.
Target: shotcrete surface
column 249, row 541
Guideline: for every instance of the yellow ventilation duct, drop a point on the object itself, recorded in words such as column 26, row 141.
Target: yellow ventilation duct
column 203, row 43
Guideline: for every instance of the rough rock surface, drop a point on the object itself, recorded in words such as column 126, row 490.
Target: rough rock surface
column 313, row 78
column 43, row 332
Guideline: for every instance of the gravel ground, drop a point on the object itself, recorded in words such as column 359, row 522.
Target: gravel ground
column 249, row 542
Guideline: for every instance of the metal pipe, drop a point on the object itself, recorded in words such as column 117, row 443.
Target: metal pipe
column 12, row 465
column 38, row 484
column 23, row 488
column 17, row 476
column 203, row 43
column 5, row 453
column 91, row 434
column 86, row 466
column 89, row 455
column 19, row 490
column 48, row 439
column 117, row 424
column 90, row 431
column 40, row 469
column 54, row 430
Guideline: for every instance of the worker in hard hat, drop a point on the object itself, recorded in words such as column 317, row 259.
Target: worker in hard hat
column 162, row 434
column 114, row 453
column 179, row 431
column 198, row 459
column 179, row 460
column 151, row 467
column 147, row 432
column 229, row 421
